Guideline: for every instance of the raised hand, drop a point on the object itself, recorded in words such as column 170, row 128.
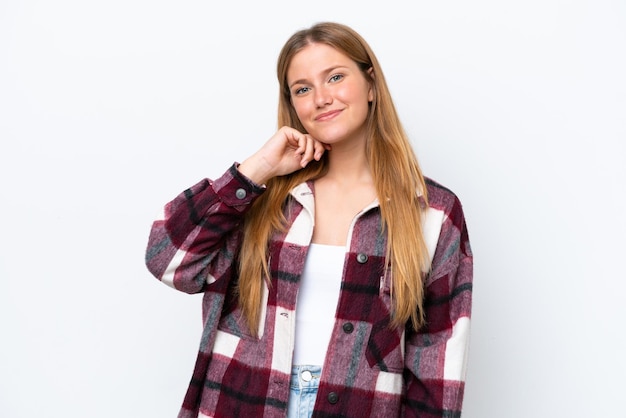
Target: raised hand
column 286, row 151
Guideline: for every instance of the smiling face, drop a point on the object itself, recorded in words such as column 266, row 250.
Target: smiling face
column 329, row 93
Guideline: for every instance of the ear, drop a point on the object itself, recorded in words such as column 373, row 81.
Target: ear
column 370, row 92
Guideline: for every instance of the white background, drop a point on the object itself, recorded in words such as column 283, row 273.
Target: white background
column 108, row 109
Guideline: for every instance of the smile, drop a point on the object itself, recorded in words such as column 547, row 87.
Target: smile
column 327, row 115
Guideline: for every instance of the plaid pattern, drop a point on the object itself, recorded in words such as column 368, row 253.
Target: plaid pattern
column 370, row 370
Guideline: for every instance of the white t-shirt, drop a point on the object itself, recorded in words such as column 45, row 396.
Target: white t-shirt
column 317, row 302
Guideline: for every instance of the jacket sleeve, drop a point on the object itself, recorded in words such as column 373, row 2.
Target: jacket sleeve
column 436, row 355
column 195, row 241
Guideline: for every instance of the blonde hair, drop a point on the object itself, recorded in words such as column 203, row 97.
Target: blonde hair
column 399, row 183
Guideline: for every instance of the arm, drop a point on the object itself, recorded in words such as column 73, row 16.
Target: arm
column 436, row 355
column 196, row 239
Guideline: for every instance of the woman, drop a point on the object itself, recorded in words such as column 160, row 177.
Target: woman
column 337, row 278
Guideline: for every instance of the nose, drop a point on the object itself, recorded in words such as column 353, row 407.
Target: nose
column 322, row 97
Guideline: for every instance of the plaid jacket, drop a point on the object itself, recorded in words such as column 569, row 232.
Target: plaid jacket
column 370, row 370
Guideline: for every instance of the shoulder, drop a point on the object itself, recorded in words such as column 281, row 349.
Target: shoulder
column 452, row 234
column 441, row 197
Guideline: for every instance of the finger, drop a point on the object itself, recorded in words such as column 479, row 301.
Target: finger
column 303, row 152
column 293, row 135
column 320, row 148
column 310, row 147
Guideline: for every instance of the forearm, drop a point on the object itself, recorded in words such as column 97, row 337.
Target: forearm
column 195, row 227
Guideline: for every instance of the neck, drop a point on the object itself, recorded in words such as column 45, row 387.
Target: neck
column 348, row 165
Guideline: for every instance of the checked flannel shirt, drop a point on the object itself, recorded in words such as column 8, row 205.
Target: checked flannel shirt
column 370, row 369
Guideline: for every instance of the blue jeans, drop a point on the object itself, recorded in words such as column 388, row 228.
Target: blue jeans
column 303, row 389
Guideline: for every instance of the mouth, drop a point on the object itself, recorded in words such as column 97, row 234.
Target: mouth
column 327, row 115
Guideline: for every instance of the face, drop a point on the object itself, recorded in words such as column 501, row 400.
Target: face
column 329, row 93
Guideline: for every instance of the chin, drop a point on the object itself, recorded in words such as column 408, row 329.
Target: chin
column 329, row 137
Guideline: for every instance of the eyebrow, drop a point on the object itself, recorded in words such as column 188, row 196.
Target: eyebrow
column 326, row 71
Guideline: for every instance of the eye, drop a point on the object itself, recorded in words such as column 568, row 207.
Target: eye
column 300, row 91
column 335, row 78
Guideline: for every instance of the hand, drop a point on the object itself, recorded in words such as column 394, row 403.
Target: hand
column 286, row 151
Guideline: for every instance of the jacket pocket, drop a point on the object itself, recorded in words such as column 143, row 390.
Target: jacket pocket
column 384, row 347
column 233, row 322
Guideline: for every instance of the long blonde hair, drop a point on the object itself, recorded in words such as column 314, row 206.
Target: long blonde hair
column 398, row 180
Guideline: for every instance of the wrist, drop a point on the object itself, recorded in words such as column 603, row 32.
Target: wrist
column 256, row 170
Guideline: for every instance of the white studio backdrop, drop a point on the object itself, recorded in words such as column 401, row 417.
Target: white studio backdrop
column 110, row 109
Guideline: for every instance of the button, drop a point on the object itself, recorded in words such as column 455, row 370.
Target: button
column 333, row 397
column 306, row 376
column 240, row 193
column 361, row 258
column 348, row 327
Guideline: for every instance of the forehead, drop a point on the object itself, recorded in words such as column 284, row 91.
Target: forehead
column 315, row 58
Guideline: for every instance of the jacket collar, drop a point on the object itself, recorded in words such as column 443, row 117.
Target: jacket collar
column 304, row 194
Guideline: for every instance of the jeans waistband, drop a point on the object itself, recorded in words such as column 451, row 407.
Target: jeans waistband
column 305, row 376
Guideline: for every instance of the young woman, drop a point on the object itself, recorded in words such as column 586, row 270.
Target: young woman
column 337, row 278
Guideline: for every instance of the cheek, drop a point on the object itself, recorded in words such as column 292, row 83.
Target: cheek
column 354, row 94
column 302, row 110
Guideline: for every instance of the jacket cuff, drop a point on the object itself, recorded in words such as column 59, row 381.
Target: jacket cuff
column 236, row 190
